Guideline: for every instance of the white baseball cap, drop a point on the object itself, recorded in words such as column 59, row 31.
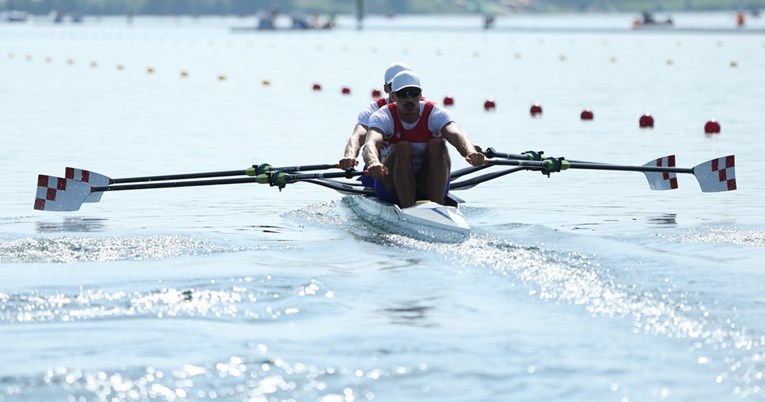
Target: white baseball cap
column 405, row 79
column 394, row 69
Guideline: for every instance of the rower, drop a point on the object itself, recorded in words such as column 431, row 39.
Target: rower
column 405, row 151
column 357, row 138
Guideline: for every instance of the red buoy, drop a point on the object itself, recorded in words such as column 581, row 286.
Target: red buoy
column 586, row 114
column 376, row 93
column 448, row 100
column 536, row 110
column 316, row 86
column 712, row 127
column 489, row 105
column 346, row 91
column 646, row 121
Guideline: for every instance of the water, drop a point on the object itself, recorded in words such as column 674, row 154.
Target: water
column 581, row 286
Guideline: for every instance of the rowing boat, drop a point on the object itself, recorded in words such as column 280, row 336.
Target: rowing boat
column 425, row 221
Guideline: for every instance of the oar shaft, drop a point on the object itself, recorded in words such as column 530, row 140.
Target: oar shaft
column 261, row 178
column 172, row 184
column 182, row 176
column 304, row 168
column 252, row 171
column 604, row 166
column 591, row 166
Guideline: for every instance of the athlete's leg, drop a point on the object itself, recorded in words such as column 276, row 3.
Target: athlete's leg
column 436, row 165
column 401, row 182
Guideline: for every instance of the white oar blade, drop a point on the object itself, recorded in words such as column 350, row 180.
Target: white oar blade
column 92, row 178
column 662, row 180
column 717, row 175
column 59, row 194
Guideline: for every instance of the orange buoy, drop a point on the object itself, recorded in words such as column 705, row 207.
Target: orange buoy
column 646, row 121
column 346, row 91
column 376, row 93
column 536, row 109
column 489, row 105
column 586, row 114
column 448, row 100
column 316, row 86
column 712, row 127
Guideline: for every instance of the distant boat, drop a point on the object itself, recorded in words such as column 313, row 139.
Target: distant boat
column 14, row 16
column 293, row 23
column 647, row 21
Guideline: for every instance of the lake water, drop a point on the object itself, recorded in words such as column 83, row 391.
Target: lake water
column 583, row 286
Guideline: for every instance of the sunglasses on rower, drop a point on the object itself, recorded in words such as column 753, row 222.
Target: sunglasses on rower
column 409, row 92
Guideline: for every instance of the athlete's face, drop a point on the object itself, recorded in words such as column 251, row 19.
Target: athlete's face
column 408, row 100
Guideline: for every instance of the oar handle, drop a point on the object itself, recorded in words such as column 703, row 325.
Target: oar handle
column 528, row 155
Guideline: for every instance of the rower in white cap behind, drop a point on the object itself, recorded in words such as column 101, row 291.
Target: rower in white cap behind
column 357, row 138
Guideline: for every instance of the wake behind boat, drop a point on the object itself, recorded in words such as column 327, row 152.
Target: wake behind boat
column 424, row 221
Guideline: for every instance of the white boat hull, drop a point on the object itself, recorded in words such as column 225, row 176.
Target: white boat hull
column 426, row 220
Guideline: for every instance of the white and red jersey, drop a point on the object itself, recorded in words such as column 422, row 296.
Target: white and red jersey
column 428, row 126
column 368, row 111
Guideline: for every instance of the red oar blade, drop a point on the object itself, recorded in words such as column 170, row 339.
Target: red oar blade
column 59, row 194
column 662, row 180
column 717, row 175
column 92, row 178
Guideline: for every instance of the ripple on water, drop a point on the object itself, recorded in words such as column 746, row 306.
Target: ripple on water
column 249, row 299
column 256, row 375
column 718, row 234
column 72, row 249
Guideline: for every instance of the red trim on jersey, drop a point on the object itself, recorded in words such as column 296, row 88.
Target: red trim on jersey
column 419, row 134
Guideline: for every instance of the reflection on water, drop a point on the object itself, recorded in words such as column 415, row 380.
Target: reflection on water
column 663, row 219
column 72, row 225
column 409, row 313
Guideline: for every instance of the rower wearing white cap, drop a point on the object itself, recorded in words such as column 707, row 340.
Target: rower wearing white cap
column 357, row 138
column 405, row 151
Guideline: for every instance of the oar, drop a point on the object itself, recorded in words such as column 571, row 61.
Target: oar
column 97, row 179
column 61, row 194
column 713, row 176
